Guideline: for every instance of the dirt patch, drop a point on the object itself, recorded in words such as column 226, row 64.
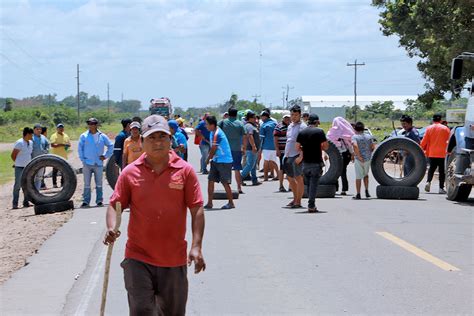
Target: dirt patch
column 22, row 233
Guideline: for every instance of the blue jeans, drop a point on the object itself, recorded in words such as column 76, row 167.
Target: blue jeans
column 250, row 166
column 17, row 186
column 312, row 172
column 88, row 170
column 204, row 148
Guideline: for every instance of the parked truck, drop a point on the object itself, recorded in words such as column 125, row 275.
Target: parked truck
column 460, row 158
column 161, row 106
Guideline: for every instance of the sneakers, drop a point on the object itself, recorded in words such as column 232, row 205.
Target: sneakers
column 256, row 183
column 343, row 193
column 356, row 197
column 100, row 204
column 442, row 191
column 282, row 189
column 228, row 206
column 428, row 186
column 367, row 195
column 83, row 205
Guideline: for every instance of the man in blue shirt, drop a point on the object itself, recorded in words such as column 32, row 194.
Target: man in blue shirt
column 220, row 157
column 181, row 142
column 120, row 140
column 270, row 159
column 40, row 147
column 204, row 145
column 91, row 153
column 410, row 132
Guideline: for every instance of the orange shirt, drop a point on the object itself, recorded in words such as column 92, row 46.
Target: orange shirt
column 435, row 141
column 158, row 208
column 132, row 149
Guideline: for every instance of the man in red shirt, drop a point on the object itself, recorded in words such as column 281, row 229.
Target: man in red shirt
column 158, row 188
column 434, row 144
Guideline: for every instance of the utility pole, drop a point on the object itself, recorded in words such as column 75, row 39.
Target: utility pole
column 287, row 92
column 255, row 97
column 78, row 98
column 108, row 99
column 260, row 69
column 283, row 100
column 121, row 100
column 355, row 64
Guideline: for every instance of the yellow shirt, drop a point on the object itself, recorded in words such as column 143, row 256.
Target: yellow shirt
column 132, row 149
column 60, row 139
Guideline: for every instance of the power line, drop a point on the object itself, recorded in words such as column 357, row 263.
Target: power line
column 21, row 48
column 78, row 98
column 39, row 81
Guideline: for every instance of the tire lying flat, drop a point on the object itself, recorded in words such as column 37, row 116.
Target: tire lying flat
column 54, row 207
column 397, row 192
column 57, row 162
column 221, row 195
column 393, row 144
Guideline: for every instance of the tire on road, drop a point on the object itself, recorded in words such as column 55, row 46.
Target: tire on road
column 221, row 195
column 54, row 207
column 455, row 192
column 389, row 145
column 57, row 162
column 325, row 191
column 331, row 176
column 397, row 192
column 112, row 172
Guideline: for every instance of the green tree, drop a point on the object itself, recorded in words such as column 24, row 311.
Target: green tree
column 434, row 31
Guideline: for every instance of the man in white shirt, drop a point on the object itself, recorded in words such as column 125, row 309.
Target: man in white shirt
column 21, row 155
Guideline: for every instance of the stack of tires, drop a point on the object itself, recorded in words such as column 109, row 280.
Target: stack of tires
column 57, row 202
column 403, row 188
column 327, row 186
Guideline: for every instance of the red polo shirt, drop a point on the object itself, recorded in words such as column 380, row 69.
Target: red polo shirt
column 158, row 207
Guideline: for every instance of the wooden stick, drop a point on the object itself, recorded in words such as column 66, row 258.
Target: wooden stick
column 118, row 211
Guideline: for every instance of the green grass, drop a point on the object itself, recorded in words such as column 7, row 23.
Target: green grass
column 7, row 173
column 12, row 132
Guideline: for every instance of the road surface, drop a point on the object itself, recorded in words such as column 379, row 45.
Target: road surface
column 355, row 257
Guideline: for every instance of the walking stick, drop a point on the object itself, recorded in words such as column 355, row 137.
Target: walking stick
column 118, row 210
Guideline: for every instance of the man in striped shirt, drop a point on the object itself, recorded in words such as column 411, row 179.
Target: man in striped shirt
column 279, row 137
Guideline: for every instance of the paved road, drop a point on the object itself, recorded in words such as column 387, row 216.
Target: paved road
column 357, row 257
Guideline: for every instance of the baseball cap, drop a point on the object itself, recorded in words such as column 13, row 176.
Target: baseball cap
column 135, row 124
column 37, row 125
column 155, row 123
column 313, row 118
column 92, row 120
column 60, row 125
column 286, row 115
column 265, row 113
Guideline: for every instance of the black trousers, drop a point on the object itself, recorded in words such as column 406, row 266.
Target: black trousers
column 55, row 177
column 346, row 159
column 437, row 163
column 155, row 291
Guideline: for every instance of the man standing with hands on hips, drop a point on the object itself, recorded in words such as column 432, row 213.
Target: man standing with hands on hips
column 91, row 153
column 155, row 255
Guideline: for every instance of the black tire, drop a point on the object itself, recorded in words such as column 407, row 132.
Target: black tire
column 397, row 192
column 221, row 195
column 455, row 192
column 389, row 145
column 112, row 172
column 54, row 207
column 324, row 191
column 57, row 162
column 331, row 176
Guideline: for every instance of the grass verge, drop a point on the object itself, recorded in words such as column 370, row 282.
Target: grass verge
column 7, row 173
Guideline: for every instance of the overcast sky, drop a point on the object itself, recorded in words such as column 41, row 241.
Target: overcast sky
column 199, row 52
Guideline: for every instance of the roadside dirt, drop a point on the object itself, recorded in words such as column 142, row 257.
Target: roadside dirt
column 22, row 233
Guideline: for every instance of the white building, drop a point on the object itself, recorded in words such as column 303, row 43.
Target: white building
column 329, row 106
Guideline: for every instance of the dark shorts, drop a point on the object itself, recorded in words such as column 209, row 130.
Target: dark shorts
column 220, row 172
column 282, row 163
column 155, row 290
column 237, row 160
column 292, row 169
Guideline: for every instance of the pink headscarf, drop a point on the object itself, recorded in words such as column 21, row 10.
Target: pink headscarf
column 341, row 129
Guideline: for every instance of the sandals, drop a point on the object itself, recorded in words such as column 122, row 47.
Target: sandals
column 312, row 210
column 227, row 207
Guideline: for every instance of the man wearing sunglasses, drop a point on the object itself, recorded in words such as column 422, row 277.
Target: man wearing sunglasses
column 92, row 155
